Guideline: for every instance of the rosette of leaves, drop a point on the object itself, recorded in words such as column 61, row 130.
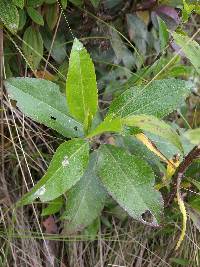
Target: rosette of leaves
column 85, row 176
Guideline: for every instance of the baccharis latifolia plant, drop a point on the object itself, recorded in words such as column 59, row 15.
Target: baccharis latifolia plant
column 88, row 169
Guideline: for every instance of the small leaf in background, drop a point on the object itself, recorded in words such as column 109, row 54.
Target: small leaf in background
column 22, row 19
column 108, row 125
column 50, row 1
column 95, row 3
column 123, row 54
column 35, row 16
column 77, row 2
column 169, row 15
column 64, row 3
column 190, row 48
column 187, row 9
column 51, row 15
column 193, row 135
column 19, row 3
column 65, row 170
column 85, row 200
column 159, row 98
column 9, row 15
column 34, row 3
column 138, row 32
column 32, row 47
column 163, row 34
column 53, row 207
column 154, row 125
column 42, row 101
column 130, row 180
column 81, row 86
column 58, row 50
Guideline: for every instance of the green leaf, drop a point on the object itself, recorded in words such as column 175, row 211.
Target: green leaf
column 163, row 33
column 52, row 16
column 9, row 15
column 85, row 200
column 81, row 87
column 35, row 16
column 190, row 48
column 193, row 135
column 130, row 181
column 95, row 3
column 65, row 170
column 153, row 125
column 108, row 125
column 32, row 47
column 64, row 3
column 50, row 1
column 159, row 98
column 22, row 19
column 53, row 207
column 19, row 3
column 34, row 3
column 77, row 2
column 42, row 101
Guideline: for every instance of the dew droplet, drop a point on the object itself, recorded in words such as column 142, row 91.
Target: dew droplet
column 40, row 191
column 65, row 161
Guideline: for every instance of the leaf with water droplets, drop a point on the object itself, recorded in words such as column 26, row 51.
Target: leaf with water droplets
column 65, row 170
column 81, row 86
column 42, row 101
column 19, row 3
column 85, row 200
column 130, row 181
column 9, row 15
column 154, row 125
column 159, row 98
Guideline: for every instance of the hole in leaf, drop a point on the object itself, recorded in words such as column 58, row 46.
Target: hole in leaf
column 76, row 128
column 53, row 118
column 148, row 218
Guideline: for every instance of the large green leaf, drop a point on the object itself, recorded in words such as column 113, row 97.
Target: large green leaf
column 153, row 125
column 130, row 182
column 81, row 87
column 9, row 15
column 190, row 48
column 65, row 170
column 42, row 101
column 85, row 200
column 159, row 98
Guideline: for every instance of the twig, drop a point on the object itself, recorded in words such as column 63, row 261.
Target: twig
column 179, row 174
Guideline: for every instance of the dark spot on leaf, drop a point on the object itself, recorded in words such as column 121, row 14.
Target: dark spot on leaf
column 147, row 216
column 76, row 128
column 53, row 118
column 117, row 78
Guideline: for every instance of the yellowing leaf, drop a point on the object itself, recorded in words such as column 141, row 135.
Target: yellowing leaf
column 154, row 125
column 184, row 214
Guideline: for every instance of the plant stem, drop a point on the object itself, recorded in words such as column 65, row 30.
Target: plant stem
column 179, row 174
